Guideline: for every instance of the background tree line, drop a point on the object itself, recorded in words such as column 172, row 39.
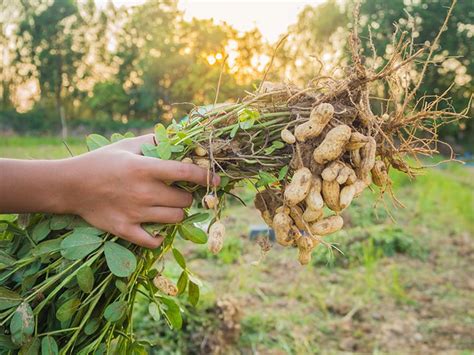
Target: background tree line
column 92, row 68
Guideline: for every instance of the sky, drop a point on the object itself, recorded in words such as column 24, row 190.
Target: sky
column 272, row 18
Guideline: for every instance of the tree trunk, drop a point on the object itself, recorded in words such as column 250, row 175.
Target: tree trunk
column 62, row 116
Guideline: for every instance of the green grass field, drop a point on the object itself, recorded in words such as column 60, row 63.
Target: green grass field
column 404, row 284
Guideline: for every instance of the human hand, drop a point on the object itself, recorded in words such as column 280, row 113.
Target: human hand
column 115, row 189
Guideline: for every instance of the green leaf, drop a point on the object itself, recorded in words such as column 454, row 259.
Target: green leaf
column 67, row 309
column 265, row 179
column 8, row 298
column 47, row 247
column 152, row 273
column 59, row 222
column 149, row 150
column 192, row 233
column 85, row 278
column 40, row 231
column 49, row 346
column 129, row 135
column 172, row 313
column 196, row 218
column 32, row 347
column 164, row 150
column 96, row 141
column 121, row 261
column 179, row 258
column 5, row 260
column 137, row 349
column 88, row 230
column 177, row 148
column 115, row 311
column 116, row 137
column 154, row 311
column 6, row 343
column 234, row 131
column 78, row 245
column 275, row 145
column 121, row 286
column 22, row 324
column 282, row 173
column 161, row 134
column 91, row 326
column 182, row 282
column 247, row 118
column 193, row 293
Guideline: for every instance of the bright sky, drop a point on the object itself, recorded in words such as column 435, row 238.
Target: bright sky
column 272, row 18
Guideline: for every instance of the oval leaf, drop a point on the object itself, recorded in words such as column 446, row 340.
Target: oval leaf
column 172, row 312
column 67, row 309
column 47, row 247
column 22, row 324
column 8, row 298
column 179, row 258
column 121, row 261
column 40, row 231
column 154, row 311
column 78, row 245
column 193, row 293
column 85, row 278
column 91, row 326
column 96, row 141
column 49, row 346
column 115, row 311
column 193, row 233
column 60, row 221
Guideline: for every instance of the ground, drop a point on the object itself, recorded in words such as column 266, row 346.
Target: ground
column 403, row 285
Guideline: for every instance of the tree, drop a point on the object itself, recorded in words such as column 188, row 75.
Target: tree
column 51, row 45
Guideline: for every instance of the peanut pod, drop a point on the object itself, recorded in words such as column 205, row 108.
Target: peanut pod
column 314, row 200
column 333, row 144
column 331, row 172
column 281, row 225
column 379, row 173
column 327, row 225
column 297, row 190
column 346, row 196
column 216, row 237
column 356, row 141
column 331, row 192
column 287, row 136
column 310, row 215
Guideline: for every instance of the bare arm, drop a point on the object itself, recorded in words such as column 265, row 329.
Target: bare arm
column 113, row 188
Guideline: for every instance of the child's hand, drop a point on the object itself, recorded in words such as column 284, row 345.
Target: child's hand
column 114, row 188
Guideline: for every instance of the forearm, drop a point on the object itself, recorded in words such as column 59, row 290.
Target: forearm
column 33, row 186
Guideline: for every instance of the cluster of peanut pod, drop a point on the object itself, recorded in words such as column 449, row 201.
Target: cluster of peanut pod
column 346, row 165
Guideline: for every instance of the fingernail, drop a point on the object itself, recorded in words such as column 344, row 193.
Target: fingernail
column 216, row 180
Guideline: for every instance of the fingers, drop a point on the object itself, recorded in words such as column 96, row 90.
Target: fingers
column 134, row 145
column 169, row 170
column 171, row 196
column 162, row 215
column 136, row 235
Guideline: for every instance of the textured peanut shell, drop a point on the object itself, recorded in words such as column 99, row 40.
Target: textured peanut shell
column 266, row 216
column 356, row 160
column 305, row 243
column 200, row 151
column 281, row 225
column 314, row 200
column 331, row 172
column 344, row 175
column 210, row 201
column 356, row 141
column 203, row 163
column 367, row 153
column 310, row 215
column 331, row 191
column 287, row 136
column 165, row 285
column 297, row 190
column 296, row 213
column 322, row 114
column 333, row 144
column 346, row 196
column 304, row 256
column 379, row 173
column 216, row 237
column 327, row 225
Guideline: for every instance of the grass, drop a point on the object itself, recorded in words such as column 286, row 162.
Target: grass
column 402, row 286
